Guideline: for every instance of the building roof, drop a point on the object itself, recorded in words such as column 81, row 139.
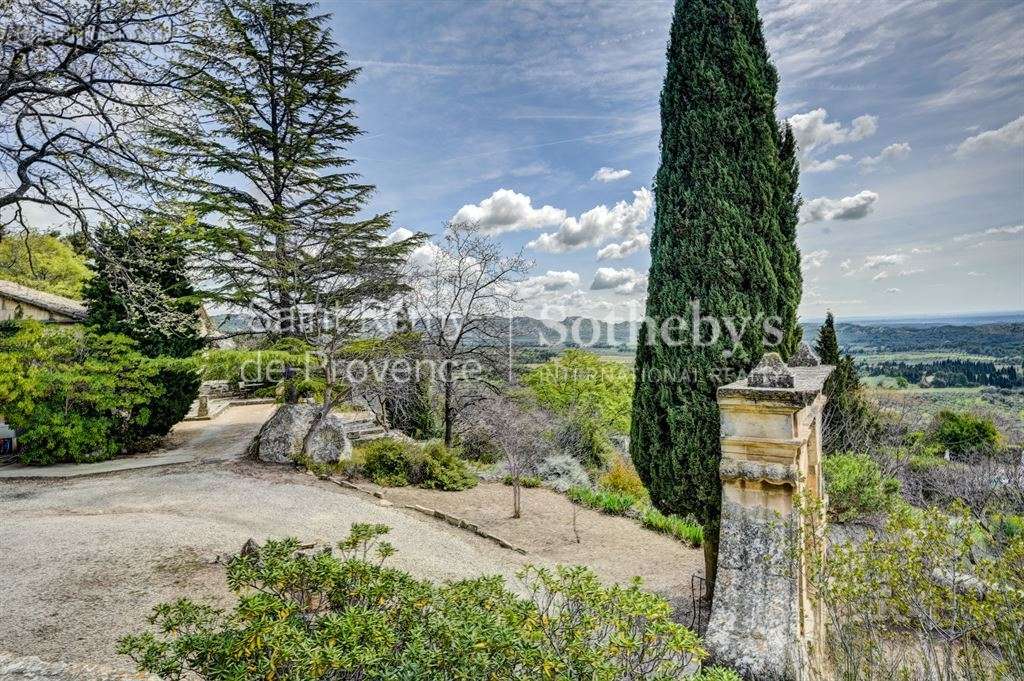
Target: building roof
column 46, row 301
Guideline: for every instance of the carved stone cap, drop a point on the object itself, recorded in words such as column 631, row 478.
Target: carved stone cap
column 754, row 471
column 807, row 382
column 804, row 357
column 771, row 372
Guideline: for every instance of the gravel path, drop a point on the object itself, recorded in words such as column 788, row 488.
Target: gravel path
column 82, row 561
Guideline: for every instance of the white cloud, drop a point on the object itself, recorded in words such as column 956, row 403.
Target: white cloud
column 813, row 166
column 625, row 281
column 812, row 131
column 892, row 290
column 606, row 174
column 975, row 274
column 846, row 208
column 893, row 152
column 813, row 260
column 421, row 256
column 1011, row 229
column 548, row 282
column 1010, row 135
column 921, row 250
column 991, row 231
column 507, row 211
column 627, row 247
column 876, row 261
column 598, row 225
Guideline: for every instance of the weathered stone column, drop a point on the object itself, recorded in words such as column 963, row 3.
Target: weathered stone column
column 762, row 619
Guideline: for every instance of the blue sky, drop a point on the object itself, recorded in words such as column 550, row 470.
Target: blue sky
column 910, row 115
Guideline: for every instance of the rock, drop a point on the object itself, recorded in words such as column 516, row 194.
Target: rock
column 328, row 441
column 281, row 438
column 249, row 548
column 296, row 430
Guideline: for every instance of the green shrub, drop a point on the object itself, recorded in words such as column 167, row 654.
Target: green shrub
column 443, row 469
column 73, row 396
column 622, row 477
column 612, row 503
column 914, row 602
column 528, row 481
column 178, row 381
column 856, row 487
column 684, row 530
column 318, row 617
column 391, row 463
column 960, row 432
column 249, row 365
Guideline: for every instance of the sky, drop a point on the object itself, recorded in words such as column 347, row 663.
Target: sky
column 540, row 121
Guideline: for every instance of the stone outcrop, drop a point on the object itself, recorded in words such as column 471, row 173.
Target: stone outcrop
column 763, row 622
column 298, row 430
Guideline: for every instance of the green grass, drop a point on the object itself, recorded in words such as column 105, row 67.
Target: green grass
column 612, row 503
column 616, row 503
column 682, row 529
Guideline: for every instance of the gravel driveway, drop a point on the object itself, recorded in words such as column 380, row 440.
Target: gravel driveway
column 83, row 560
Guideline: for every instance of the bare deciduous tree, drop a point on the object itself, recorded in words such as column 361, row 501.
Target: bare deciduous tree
column 79, row 82
column 458, row 300
column 521, row 437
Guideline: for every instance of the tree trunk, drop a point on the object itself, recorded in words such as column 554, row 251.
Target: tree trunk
column 516, row 509
column 448, row 416
column 711, row 538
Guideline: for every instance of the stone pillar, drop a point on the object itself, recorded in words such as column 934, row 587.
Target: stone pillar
column 762, row 619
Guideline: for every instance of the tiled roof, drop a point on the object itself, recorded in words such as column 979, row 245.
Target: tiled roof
column 47, row 301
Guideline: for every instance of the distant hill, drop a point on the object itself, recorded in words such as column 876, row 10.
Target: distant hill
column 997, row 340
column 994, row 339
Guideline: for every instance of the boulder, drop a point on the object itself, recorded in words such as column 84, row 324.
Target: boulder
column 296, row 430
column 327, row 441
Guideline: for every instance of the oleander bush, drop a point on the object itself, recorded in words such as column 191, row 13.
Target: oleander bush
column 319, row 617
column 857, row 488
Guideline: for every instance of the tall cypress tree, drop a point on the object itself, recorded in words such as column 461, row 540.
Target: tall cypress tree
column 277, row 201
column 724, row 238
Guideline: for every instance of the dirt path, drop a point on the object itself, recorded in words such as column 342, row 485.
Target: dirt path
column 83, row 560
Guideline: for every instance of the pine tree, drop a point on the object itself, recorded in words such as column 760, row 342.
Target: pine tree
column 724, row 236
column 275, row 196
column 827, row 344
column 140, row 290
column 847, row 417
